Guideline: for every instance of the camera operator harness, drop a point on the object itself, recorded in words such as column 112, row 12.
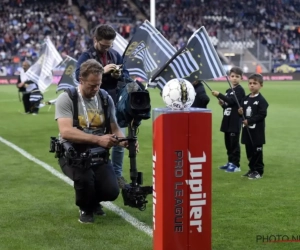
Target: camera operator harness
column 72, row 152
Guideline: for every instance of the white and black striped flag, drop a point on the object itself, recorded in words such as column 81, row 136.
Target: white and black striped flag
column 197, row 61
column 182, row 66
column 120, row 44
column 67, row 79
column 41, row 71
column 147, row 52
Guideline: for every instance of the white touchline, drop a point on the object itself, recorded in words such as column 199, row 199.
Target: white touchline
column 133, row 221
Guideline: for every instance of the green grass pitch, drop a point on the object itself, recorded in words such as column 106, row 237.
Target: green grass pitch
column 38, row 211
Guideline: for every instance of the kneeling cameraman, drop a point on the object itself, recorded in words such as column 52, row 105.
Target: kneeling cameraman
column 85, row 158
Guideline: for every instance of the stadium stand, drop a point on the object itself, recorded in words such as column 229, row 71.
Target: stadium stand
column 230, row 24
column 25, row 24
column 273, row 23
column 114, row 12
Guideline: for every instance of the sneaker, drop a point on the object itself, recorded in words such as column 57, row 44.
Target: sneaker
column 254, row 175
column 233, row 168
column 121, row 182
column 99, row 210
column 224, row 167
column 247, row 174
column 86, row 217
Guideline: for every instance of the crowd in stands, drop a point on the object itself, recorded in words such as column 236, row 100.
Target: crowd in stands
column 117, row 13
column 272, row 22
column 25, row 23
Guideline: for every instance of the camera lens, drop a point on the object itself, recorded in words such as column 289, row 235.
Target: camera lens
column 140, row 100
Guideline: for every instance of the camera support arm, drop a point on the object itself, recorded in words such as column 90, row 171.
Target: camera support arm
column 134, row 175
column 134, row 195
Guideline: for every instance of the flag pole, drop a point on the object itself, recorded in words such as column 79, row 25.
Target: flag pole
column 152, row 12
column 237, row 101
column 62, row 62
column 209, row 88
column 174, row 56
column 70, row 58
column 167, row 63
column 206, row 85
column 239, row 106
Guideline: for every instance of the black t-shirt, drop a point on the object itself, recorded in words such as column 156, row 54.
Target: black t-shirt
column 231, row 122
column 255, row 112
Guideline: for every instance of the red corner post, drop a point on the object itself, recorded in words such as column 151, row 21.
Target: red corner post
column 182, row 179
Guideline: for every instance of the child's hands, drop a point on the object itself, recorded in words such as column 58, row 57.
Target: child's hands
column 245, row 122
column 215, row 93
column 240, row 110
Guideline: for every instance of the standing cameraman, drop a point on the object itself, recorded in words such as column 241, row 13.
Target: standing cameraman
column 96, row 182
column 114, row 71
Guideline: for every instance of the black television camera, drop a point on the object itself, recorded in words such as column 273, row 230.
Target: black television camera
column 133, row 106
column 133, row 103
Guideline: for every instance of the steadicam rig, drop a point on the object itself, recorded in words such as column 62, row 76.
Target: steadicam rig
column 134, row 195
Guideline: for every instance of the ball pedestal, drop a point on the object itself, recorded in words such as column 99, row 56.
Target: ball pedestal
column 182, row 179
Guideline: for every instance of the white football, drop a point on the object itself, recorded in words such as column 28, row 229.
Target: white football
column 178, row 94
